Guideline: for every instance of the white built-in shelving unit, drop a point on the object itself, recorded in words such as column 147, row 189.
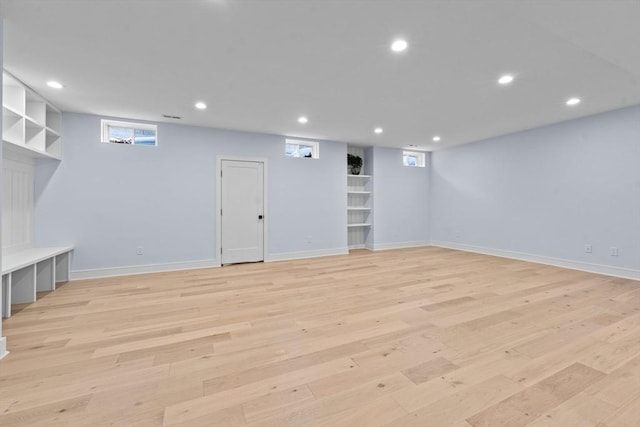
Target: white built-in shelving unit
column 30, row 271
column 31, row 131
column 359, row 206
column 358, row 195
column 31, row 126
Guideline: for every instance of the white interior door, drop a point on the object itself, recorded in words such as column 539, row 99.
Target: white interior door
column 242, row 211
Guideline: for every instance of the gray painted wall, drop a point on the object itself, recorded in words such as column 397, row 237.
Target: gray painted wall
column 400, row 200
column 543, row 192
column 546, row 191
column 107, row 199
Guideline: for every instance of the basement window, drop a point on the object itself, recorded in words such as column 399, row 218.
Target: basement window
column 297, row 148
column 129, row 133
column 413, row 158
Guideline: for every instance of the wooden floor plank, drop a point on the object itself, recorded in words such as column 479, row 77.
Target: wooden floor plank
column 580, row 410
column 525, row 406
column 420, row 336
column 456, row 407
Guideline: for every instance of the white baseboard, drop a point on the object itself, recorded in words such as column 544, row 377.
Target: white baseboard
column 3, row 347
column 286, row 256
column 625, row 273
column 399, row 245
column 191, row 265
column 361, row 246
column 142, row 269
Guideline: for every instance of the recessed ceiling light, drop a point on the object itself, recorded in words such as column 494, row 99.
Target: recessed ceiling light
column 399, row 45
column 302, row 119
column 436, row 138
column 573, row 101
column 506, row 79
column 378, row 130
column 201, row 106
column 54, row 84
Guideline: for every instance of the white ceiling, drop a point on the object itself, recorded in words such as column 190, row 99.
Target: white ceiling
column 260, row 64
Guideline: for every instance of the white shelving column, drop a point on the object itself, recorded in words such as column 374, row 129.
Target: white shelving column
column 53, row 132
column 13, row 110
column 31, row 132
column 359, row 206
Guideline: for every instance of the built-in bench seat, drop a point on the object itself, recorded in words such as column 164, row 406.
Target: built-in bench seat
column 32, row 270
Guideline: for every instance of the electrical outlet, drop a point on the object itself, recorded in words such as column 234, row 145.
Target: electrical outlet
column 309, row 239
column 613, row 251
column 139, row 250
column 588, row 249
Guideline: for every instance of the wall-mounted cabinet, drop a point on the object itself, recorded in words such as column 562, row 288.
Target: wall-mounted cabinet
column 31, row 126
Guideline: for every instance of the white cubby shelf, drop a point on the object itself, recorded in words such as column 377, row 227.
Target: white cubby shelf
column 31, row 130
column 359, row 207
column 33, row 270
column 31, row 126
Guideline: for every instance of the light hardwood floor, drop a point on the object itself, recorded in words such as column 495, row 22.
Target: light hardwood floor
column 416, row 337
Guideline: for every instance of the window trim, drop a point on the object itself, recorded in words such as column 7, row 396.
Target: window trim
column 421, row 158
column 105, row 124
column 315, row 148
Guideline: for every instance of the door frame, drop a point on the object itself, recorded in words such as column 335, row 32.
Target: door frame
column 265, row 204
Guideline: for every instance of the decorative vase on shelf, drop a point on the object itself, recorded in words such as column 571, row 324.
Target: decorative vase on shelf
column 355, row 163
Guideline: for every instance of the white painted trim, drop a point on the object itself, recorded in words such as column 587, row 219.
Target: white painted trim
column 142, row 269
column 625, row 273
column 105, row 123
column 399, row 245
column 18, row 260
column 3, row 347
column 360, row 246
column 421, row 158
column 265, row 196
column 315, row 146
column 285, row 256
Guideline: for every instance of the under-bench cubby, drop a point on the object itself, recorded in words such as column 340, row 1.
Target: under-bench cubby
column 33, row 270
